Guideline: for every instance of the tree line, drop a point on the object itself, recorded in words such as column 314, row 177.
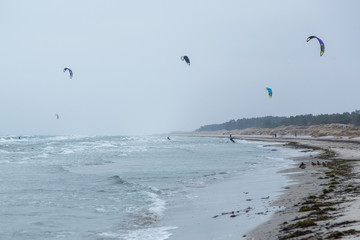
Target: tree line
column 272, row 122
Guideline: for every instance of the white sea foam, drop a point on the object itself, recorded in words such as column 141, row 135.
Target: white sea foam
column 67, row 151
column 133, row 149
column 160, row 233
column 40, row 156
column 105, row 144
column 100, row 209
column 157, row 208
column 64, row 138
column 111, row 235
column 4, row 151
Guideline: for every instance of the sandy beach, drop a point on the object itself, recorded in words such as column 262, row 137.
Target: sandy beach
column 323, row 201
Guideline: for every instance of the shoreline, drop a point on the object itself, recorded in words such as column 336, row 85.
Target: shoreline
column 324, row 201
column 318, row 205
column 234, row 204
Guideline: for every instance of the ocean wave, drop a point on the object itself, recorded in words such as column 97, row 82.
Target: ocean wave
column 64, row 138
column 275, row 158
column 157, row 207
column 40, row 156
column 4, row 151
column 210, row 174
column 58, row 169
column 159, row 233
column 147, row 209
column 118, row 180
column 67, row 151
column 12, row 139
column 106, row 144
column 132, row 149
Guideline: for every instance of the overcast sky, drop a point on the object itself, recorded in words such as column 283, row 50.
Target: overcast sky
column 129, row 78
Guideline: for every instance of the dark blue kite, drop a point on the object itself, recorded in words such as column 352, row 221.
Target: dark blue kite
column 322, row 45
column 186, row 58
column 71, row 72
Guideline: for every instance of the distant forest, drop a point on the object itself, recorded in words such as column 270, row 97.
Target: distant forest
column 272, row 122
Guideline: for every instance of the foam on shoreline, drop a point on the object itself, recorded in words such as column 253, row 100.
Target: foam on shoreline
column 229, row 208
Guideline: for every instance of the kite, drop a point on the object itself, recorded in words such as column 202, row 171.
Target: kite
column 322, row 46
column 186, row 58
column 270, row 92
column 70, row 71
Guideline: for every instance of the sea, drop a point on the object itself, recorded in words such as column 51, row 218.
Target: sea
column 137, row 187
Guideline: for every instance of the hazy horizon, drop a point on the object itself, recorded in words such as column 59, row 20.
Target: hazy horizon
column 129, row 78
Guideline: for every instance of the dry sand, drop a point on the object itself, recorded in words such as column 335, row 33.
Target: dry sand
column 324, row 201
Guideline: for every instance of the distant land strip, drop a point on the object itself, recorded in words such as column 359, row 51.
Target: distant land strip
column 346, row 120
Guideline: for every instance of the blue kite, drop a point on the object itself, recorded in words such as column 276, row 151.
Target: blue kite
column 270, row 92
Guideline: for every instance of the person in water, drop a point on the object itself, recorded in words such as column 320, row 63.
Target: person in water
column 302, row 165
column 168, row 138
column 232, row 139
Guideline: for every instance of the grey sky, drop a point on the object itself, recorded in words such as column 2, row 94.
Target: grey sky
column 128, row 76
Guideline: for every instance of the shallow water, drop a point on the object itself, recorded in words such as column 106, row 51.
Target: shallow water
column 76, row 187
